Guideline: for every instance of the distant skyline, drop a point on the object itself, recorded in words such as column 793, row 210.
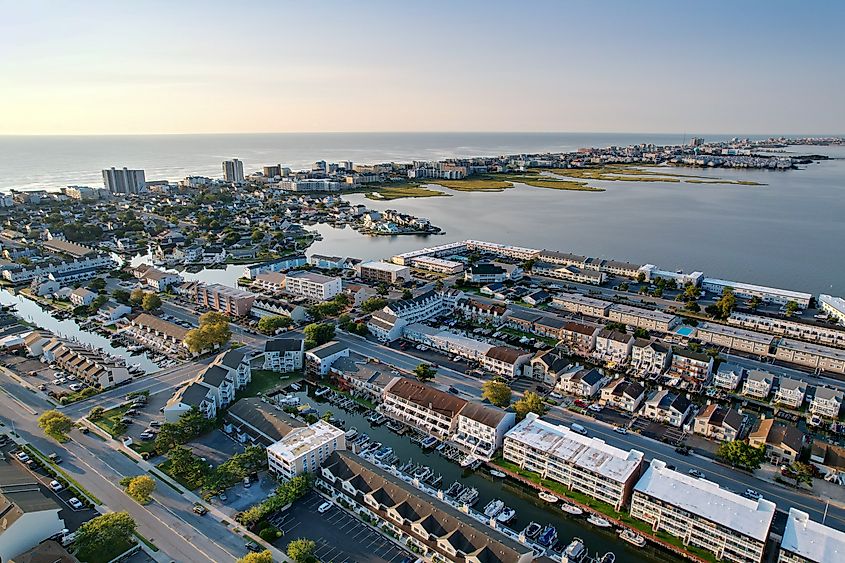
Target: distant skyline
column 97, row 67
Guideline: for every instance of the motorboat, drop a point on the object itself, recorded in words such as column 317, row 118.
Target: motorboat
column 493, row 508
column 571, row 509
column 548, row 536
column 596, row 520
column 322, row 391
column 575, row 552
column 632, row 537
column 608, row 557
column 497, row 473
column 423, row 472
column 506, row 515
column 532, row 530
column 548, row 497
column 454, row 490
column 470, row 462
column 469, row 496
column 429, row 442
column 351, row 434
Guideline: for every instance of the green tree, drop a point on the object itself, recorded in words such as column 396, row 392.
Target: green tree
column 373, row 304
column 301, row 550
column 140, row 488
column 96, row 413
column 690, row 292
column 55, row 424
column 692, row 306
column 97, row 284
column 791, row 308
column 382, row 289
column 151, row 302
column 424, row 372
column 261, row 557
column 741, row 454
column 100, row 535
column 213, row 331
column 269, row 325
column 136, row 297
column 754, row 302
column 497, row 392
column 641, row 333
column 726, row 303
column 318, row 333
column 98, row 302
column 121, row 296
column 186, row 466
column 802, row 473
column 530, row 402
column 407, row 294
column 169, row 436
column 640, row 277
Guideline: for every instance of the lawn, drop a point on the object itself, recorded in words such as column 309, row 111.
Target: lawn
column 111, row 419
column 621, row 173
column 265, row 380
column 108, row 553
column 518, row 333
column 360, row 400
column 475, row 184
column 190, row 485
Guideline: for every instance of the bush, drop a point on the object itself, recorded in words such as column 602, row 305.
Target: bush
column 270, row 534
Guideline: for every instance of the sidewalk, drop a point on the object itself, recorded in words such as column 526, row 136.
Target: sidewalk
column 832, row 492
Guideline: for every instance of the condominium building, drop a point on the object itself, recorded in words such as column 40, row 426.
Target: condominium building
column 213, row 388
column 270, row 281
column 799, row 329
column 124, row 181
column 623, row 394
column 225, row 299
column 815, row 356
column 826, row 402
column 734, row 338
column 284, row 354
column 833, row 306
column 429, row 305
column 383, row 272
column 480, row 430
column 492, row 272
column 577, row 303
column 304, row 450
column 613, row 347
column 667, row 407
column 570, row 273
column 790, row 392
column 729, row 376
column 312, row 285
column 702, row 514
column 580, row 382
column 480, row 311
column 420, row 406
column 642, row 318
column 91, row 367
column 446, row 341
column 277, row 265
column 758, row 384
column 586, row 465
column 718, row 423
column 506, row 361
column 160, row 335
column 319, row 360
column 579, row 337
column 548, row 366
column 233, row 171
column 805, row 541
column 689, row 364
column 438, row 265
column 766, row 294
column 650, row 357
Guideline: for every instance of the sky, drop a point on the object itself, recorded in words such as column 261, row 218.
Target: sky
column 121, row 67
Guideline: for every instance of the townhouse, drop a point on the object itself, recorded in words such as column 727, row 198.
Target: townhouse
column 213, row 388
column 60, row 270
column 765, row 294
column 506, row 250
column 691, row 365
column 447, row 341
column 650, row 357
column 383, row 272
column 225, row 299
column 277, row 265
column 270, row 307
column 158, row 334
column 702, row 514
column 570, row 273
column 623, row 394
column 431, row 528
column 480, row 430
column 429, row 305
column 639, row 317
column 92, row 367
column 155, row 279
column 492, row 272
column 481, row 312
column 817, row 333
column 81, row 296
column 783, row 443
column 304, row 449
column 319, row 360
column 522, row 319
column 505, row 361
column 758, row 384
column 581, row 382
column 581, row 304
column 667, row 407
column 728, row 377
column 815, row 356
column 439, row 265
column 790, row 392
column 805, row 541
column 385, row 326
column 257, row 421
column 734, row 338
column 583, row 464
column 327, row 262
column 111, row 311
column 423, row 407
column 613, row 347
column 312, row 285
column 826, row 402
column 362, row 376
column 579, row 337
column 548, row 365
column 284, row 354
column 273, row 282
column 718, row 423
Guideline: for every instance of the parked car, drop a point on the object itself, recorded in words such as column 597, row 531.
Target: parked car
column 325, row 507
column 156, row 423
column 620, row 429
column 147, row 436
column 752, row 494
column 75, row 387
column 199, row 509
column 247, row 483
column 23, row 456
column 252, row 546
column 696, row 473
column 42, row 387
column 75, row 503
column 56, row 486
column 594, row 408
column 684, row 450
column 55, row 458
column 453, row 390
column 222, row 496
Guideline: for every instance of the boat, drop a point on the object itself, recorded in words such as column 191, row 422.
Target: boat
column 351, row 434
column 532, row 530
column 506, row 515
column 429, row 442
column 395, row 426
column 548, row 497
column 596, row 520
column 608, row 557
column 493, row 508
column 376, row 418
column 571, row 509
column 423, row 472
column 632, row 537
column 321, row 391
column 548, row 536
column 575, row 552
column 384, row 453
column 470, row 462
column 469, row 496
column 454, row 490
column 496, row 473
column 295, row 386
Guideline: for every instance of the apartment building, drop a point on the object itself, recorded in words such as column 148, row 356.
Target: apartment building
column 383, row 272
column 506, row 250
column 816, row 333
column 492, row 272
column 435, row 531
column 734, row 338
column 815, row 356
column 124, row 181
column 81, row 296
column 505, row 361
column 480, row 430
column 790, row 392
column 579, row 337
column 581, row 304
column 833, row 306
column 622, row 394
column 304, row 450
column 420, row 406
column 319, row 360
column 702, row 514
column 569, row 273
column 728, row 377
column 718, row 423
column 783, row 443
column 439, row 265
column 583, row 464
column 639, row 317
column 277, row 265
column 826, row 402
column 213, row 388
column 225, row 299
column 446, row 341
column 481, row 312
column 691, row 365
column 64, row 271
column 385, row 326
column 429, row 305
column 327, row 262
column 547, row 366
column 158, row 334
column 667, row 407
column 284, row 354
column 155, row 279
column 312, row 285
column 765, row 294
column 805, row 541
column 650, row 357
column 581, row 382
column 91, row 367
column 758, row 384
column 273, row 282
column 613, row 347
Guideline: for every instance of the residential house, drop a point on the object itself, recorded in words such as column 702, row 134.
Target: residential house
column 506, row 361
column 579, row 337
column 690, row 365
column 284, row 354
column 728, row 377
column 790, row 392
column 547, row 366
column 613, row 347
column 650, row 357
column 82, row 297
column 668, row 408
column 480, row 430
column 581, row 382
column 826, row 402
column 783, row 442
column 319, row 360
column 422, row 407
column 758, row 384
column 718, row 423
column 623, row 394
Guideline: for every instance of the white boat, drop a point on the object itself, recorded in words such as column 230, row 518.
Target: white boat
column 470, row 461
column 596, row 520
column 321, row 391
column 548, row 497
column 493, row 508
column 575, row 552
column 506, row 515
column 351, row 433
column 469, row 496
column 423, row 472
column 498, row 474
column 571, row 509
column 632, row 537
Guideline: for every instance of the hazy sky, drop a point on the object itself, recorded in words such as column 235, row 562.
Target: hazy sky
column 182, row 66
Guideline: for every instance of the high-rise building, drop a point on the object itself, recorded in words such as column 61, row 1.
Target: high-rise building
column 273, row 171
column 233, row 171
column 124, row 181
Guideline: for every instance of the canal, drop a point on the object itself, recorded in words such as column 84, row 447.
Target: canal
column 515, row 495
column 32, row 312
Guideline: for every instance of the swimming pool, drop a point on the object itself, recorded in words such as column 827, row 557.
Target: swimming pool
column 685, row 330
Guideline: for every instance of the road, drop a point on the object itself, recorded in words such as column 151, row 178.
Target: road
column 93, row 462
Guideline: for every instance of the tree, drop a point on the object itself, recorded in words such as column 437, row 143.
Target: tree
column 98, row 302
column 169, row 435
column 269, row 325
column 140, row 488
column 318, row 333
column 424, row 372
column 213, row 331
column 301, row 550
column 692, row 306
column 407, row 294
column 497, row 392
column 121, row 296
column 741, row 454
column 136, row 297
column 791, row 308
column 261, row 557
column 382, row 289
column 641, row 333
column 55, row 424
column 802, row 473
column 100, row 534
column 186, row 465
column 726, row 303
column 96, row 413
column 754, row 302
column 640, row 277
column 690, row 292
column 373, row 304
column 151, row 302
column 530, row 402
column 97, row 284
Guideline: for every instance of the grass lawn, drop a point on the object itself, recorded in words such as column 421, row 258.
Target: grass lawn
column 475, row 184
column 111, row 418
column 265, row 380
column 106, row 554
column 191, row 485
column 514, row 332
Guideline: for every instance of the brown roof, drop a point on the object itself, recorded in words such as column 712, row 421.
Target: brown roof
column 778, row 434
column 487, row 416
column 416, row 392
column 160, row 325
column 48, row 551
column 505, row 354
column 721, row 416
column 580, row 328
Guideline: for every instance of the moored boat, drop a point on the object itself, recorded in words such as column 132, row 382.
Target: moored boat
column 496, row 473
column 596, row 520
column 423, row 472
column 532, row 530
column 575, row 552
column 548, row 497
column 632, row 537
column 429, row 442
column 571, row 509
column 493, row 508
column 548, row 536
column 506, row 515
column 608, row 557
column 351, row 434
column 454, row 490
column 469, row 496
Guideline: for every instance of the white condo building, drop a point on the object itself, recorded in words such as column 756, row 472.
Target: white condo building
column 303, row 450
column 312, row 285
column 805, row 541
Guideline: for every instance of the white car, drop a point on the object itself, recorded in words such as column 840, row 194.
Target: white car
column 23, row 456
column 75, row 387
column 75, row 503
column 325, row 507
column 620, row 429
column 594, row 408
column 56, row 486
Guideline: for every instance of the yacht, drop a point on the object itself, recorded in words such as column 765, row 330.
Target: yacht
column 548, row 497
column 321, row 391
column 575, row 552
column 351, row 434
column 496, row 473
column 429, row 442
column 470, row 462
column 608, row 557
column 493, row 508
column 506, row 515
column 454, row 490
column 548, row 536
column 423, row 472
column 469, row 496
column 597, row 520
column 632, row 537
column 571, row 509
column 532, row 530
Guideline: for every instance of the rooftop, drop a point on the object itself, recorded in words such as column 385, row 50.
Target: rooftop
column 301, row 440
column 814, row 541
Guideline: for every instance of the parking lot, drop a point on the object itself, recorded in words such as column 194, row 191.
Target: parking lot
column 340, row 537
column 656, row 431
column 39, row 375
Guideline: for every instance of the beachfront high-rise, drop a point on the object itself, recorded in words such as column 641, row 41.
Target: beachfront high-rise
column 233, row 171
column 124, row 181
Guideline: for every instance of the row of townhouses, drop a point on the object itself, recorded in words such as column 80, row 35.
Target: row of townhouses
column 213, row 388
